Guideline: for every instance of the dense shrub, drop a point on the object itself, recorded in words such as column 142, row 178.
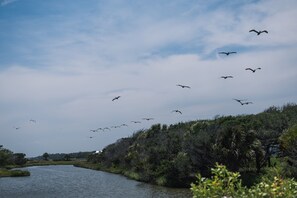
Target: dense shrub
column 224, row 183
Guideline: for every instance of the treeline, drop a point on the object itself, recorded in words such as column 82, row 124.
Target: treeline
column 63, row 156
column 7, row 157
column 172, row 155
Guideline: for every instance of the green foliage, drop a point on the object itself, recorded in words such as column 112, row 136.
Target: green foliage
column 5, row 156
column 19, row 159
column 224, row 183
column 13, row 173
column 45, row 156
column 288, row 144
column 171, row 155
column 19, row 173
column 277, row 188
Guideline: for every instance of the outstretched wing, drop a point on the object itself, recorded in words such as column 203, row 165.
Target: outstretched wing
column 264, row 31
column 223, row 53
column 253, row 30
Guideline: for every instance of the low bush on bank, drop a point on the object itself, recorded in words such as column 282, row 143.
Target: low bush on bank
column 13, row 173
column 224, row 183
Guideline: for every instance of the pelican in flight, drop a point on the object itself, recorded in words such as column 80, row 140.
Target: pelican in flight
column 147, row 119
column 246, row 103
column 239, row 100
column 177, row 111
column 116, row 98
column 225, row 77
column 135, row 122
column 253, row 70
column 227, row 53
column 259, row 32
column 183, row 86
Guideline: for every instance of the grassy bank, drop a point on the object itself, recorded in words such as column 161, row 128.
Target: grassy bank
column 13, row 173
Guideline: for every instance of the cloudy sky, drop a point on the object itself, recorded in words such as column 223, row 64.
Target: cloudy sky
column 63, row 61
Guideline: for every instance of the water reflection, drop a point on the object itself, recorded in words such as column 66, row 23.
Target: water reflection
column 69, row 181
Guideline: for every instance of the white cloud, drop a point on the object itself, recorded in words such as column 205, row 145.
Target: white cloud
column 81, row 62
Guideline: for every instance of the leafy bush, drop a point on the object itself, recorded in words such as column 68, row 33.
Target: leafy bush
column 224, row 183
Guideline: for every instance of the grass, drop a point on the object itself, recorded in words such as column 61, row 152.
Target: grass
column 13, row 173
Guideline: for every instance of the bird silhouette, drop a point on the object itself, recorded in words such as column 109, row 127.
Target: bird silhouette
column 124, row 125
column 259, row 32
column 239, row 100
column 227, row 53
column 105, row 128
column 135, row 122
column 94, row 130
column 116, row 98
column 253, row 70
column 183, row 86
column 246, row 103
column 16, row 128
column 177, row 111
column 147, row 119
column 225, row 77
column 32, row 120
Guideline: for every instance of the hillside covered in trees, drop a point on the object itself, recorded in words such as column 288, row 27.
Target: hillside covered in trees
column 172, row 155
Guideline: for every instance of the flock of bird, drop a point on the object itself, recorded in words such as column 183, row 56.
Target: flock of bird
column 240, row 101
column 31, row 121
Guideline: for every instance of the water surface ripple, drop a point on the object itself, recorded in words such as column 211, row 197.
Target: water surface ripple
column 68, row 181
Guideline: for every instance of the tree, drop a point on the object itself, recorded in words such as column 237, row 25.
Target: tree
column 236, row 147
column 19, row 158
column 5, row 156
column 45, row 156
column 67, row 157
column 288, row 143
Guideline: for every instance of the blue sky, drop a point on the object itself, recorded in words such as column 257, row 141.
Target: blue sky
column 61, row 63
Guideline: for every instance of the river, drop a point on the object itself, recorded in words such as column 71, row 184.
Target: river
column 69, row 181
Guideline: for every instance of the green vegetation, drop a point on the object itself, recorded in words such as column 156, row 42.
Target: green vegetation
column 172, row 155
column 8, row 160
column 224, row 183
column 13, row 173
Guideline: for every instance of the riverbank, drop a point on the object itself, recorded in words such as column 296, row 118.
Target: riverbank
column 13, row 173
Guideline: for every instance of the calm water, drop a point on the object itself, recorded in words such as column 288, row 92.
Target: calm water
column 69, row 181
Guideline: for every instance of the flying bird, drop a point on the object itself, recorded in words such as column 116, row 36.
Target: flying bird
column 147, row 119
column 225, row 77
column 253, row 70
column 17, row 128
column 124, row 125
column 135, row 122
column 246, row 103
column 259, row 32
column 183, row 86
column 227, row 53
column 32, row 120
column 94, row 130
column 239, row 100
column 116, row 98
column 105, row 128
column 177, row 111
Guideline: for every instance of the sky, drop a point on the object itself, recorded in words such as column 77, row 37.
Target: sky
column 62, row 62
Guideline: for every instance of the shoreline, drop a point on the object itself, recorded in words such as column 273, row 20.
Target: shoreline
column 91, row 166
